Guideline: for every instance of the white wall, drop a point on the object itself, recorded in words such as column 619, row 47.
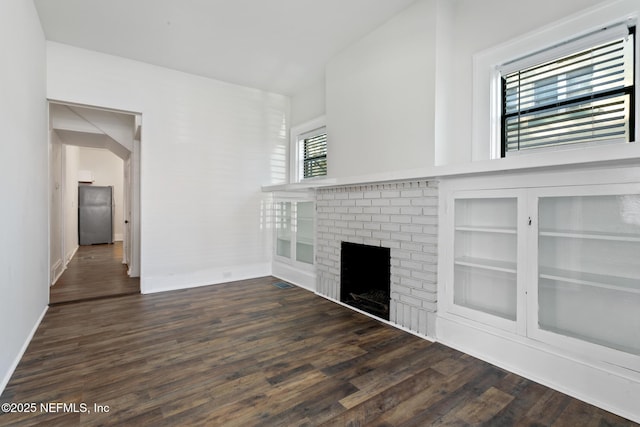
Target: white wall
column 445, row 81
column 401, row 97
column 308, row 103
column 108, row 170
column 24, row 262
column 381, row 97
column 71, row 161
column 207, row 148
column 476, row 26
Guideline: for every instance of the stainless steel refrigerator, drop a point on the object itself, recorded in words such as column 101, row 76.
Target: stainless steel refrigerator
column 95, row 214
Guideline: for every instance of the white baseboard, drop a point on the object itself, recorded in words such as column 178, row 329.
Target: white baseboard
column 71, row 255
column 14, row 365
column 68, row 257
column 301, row 278
column 151, row 284
column 118, row 237
column 56, row 271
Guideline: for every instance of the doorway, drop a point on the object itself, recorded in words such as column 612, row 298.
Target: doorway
column 93, row 147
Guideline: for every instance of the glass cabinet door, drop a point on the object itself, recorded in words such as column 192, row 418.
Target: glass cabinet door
column 304, row 232
column 485, row 256
column 283, row 229
column 589, row 269
column 295, row 232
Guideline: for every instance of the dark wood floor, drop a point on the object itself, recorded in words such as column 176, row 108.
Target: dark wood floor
column 251, row 354
column 95, row 271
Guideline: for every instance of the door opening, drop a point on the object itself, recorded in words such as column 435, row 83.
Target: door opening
column 93, row 147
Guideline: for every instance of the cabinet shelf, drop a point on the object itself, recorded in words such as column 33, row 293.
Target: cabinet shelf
column 616, row 283
column 594, row 235
column 486, row 229
column 487, row 264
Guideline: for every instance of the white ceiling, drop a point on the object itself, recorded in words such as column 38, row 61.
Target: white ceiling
column 274, row 45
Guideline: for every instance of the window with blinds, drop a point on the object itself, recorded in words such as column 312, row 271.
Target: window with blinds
column 314, row 154
column 585, row 96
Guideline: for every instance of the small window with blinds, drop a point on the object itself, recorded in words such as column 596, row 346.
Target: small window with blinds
column 581, row 96
column 313, row 150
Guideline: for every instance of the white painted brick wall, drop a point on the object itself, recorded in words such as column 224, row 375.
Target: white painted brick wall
column 402, row 216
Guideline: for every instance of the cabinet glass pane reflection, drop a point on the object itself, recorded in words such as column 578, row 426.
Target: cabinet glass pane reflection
column 283, row 229
column 588, row 252
column 485, row 256
column 304, row 232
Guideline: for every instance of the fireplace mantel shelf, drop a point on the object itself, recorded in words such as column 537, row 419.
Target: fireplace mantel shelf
column 601, row 156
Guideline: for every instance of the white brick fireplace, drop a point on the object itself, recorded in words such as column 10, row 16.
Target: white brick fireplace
column 402, row 216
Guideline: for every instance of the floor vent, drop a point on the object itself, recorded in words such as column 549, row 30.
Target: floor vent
column 283, row 285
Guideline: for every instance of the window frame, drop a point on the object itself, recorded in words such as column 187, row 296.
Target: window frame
column 296, row 148
column 559, row 53
column 486, row 138
column 307, row 161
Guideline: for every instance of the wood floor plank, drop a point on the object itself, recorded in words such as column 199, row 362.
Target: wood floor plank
column 549, row 407
column 250, row 354
column 528, row 393
column 413, row 389
column 95, row 271
column 394, row 371
column 432, row 401
column 483, row 408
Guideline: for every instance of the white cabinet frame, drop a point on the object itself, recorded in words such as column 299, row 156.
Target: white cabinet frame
column 601, row 353
column 526, row 325
column 598, row 375
column 289, row 268
column 487, row 262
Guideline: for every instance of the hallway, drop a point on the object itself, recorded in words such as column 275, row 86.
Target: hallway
column 95, row 272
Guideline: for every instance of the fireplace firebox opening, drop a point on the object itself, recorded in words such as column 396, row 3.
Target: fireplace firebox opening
column 365, row 277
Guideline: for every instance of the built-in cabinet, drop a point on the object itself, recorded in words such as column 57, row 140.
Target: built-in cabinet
column 556, row 264
column 294, row 235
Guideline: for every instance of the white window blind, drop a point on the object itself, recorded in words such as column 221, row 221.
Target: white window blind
column 582, row 96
